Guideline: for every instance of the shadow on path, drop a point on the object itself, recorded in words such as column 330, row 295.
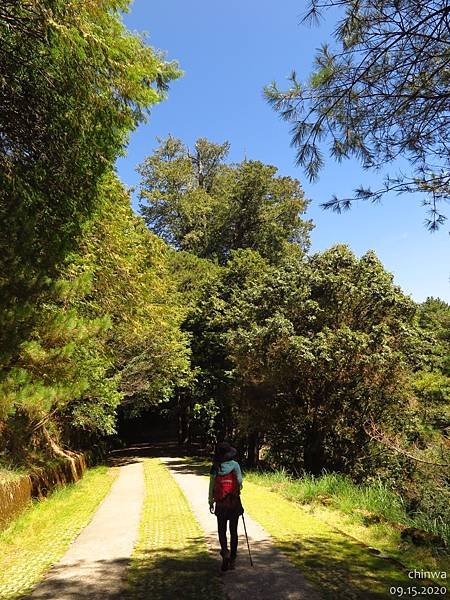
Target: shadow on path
column 190, row 466
column 165, row 573
column 337, row 569
column 162, row 574
column 158, row 449
column 102, row 577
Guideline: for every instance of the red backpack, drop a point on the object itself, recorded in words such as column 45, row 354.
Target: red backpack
column 225, row 485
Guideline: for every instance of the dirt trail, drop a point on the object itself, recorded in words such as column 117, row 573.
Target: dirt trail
column 272, row 576
column 95, row 565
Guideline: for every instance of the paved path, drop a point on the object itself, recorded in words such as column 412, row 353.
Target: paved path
column 95, row 565
column 272, row 577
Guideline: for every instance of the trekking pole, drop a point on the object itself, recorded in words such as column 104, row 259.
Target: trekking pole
column 246, row 537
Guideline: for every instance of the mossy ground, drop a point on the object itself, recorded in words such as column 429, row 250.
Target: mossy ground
column 40, row 536
column 170, row 559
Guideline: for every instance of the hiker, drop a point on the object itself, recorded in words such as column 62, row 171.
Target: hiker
column 225, row 486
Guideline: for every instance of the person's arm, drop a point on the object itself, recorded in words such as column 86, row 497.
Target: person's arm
column 211, row 490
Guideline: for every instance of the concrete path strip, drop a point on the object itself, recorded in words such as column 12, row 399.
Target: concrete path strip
column 95, row 565
column 273, row 575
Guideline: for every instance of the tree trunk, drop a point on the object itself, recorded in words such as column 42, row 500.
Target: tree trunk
column 184, row 421
column 314, row 451
column 253, row 449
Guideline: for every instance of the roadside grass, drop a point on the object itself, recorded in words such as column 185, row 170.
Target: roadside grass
column 332, row 548
column 340, row 567
column 367, row 512
column 338, row 491
column 7, row 475
column 170, row 559
column 41, row 534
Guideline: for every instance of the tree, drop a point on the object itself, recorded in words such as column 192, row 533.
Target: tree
column 134, row 286
column 200, row 204
column 107, row 335
column 62, row 379
column 212, row 395
column 381, row 95
column 320, row 349
column 432, row 378
column 74, row 82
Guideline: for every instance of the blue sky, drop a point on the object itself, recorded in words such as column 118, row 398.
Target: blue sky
column 228, row 52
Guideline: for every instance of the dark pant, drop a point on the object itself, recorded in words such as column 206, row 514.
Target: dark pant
column 222, row 529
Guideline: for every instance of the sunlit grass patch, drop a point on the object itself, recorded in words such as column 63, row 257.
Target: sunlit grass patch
column 353, row 509
column 7, row 475
column 40, row 536
column 170, row 560
column 338, row 489
column 338, row 566
column 363, row 503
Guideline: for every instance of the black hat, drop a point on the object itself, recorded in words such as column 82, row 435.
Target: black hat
column 224, row 452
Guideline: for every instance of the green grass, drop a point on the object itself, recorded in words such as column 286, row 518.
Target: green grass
column 338, row 566
column 7, row 475
column 331, row 547
column 355, row 510
column 41, row 534
column 170, row 560
column 337, row 491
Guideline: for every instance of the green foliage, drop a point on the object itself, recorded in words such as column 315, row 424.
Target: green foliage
column 109, row 335
column 61, row 375
column 434, row 319
column 432, row 378
column 199, row 204
column 240, row 217
column 379, row 93
column 312, row 350
column 134, row 286
column 85, row 290
column 208, row 327
column 74, row 82
column 191, row 275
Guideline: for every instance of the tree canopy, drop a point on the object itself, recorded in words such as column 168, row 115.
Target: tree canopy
column 378, row 92
column 74, row 82
column 200, row 204
column 305, row 354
